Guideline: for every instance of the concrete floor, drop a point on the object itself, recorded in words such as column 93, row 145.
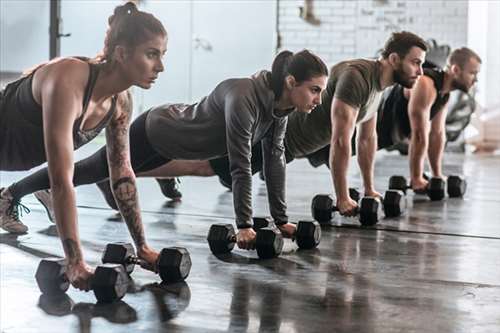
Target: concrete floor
column 436, row 269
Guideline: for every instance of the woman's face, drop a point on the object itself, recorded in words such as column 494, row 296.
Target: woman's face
column 306, row 95
column 143, row 65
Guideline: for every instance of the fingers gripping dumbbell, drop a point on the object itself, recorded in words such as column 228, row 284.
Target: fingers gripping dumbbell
column 456, row 186
column 269, row 241
column 369, row 213
column 109, row 282
column 307, row 234
column 173, row 264
column 322, row 207
column 434, row 190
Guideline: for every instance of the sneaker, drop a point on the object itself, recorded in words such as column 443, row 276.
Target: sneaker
column 9, row 213
column 170, row 188
column 105, row 189
column 45, row 198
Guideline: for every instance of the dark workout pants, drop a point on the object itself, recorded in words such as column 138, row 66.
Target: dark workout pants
column 94, row 168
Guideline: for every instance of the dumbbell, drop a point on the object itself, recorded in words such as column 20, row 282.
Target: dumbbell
column 394, row 203
column 322, row 207
column 307, row 234
column 109, row 282
column 456, row 186
column 173, row 264
column 434, row 190
column 269, row 241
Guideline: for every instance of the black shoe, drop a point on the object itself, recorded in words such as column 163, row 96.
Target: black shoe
column 261, row 176
column 108, row 194
column 226, row 184
column 170, row 188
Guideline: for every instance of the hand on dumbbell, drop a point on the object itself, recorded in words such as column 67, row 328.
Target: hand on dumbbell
column 148, row 258
column 267, row 240
column 173, row 264
column 288, row 230
column 322, row 208
column 79, row 275
column 435, row 189
column 307, row 234
column 109, row 282
column 346, row 207
column 246, row 239
column 419, row 185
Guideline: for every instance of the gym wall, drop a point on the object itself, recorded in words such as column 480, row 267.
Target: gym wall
column 349, row 29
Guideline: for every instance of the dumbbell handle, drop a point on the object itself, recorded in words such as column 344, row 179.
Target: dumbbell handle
column 141, row 262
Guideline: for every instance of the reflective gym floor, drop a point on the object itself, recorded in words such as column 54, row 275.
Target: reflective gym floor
column 435, row 269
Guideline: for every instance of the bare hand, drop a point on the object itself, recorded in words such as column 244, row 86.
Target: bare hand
column 374, row 194
column 80, row 275
column 149, row 258
column 287, row 230
column 246, row 239
column 419, row 185
column 347, row 207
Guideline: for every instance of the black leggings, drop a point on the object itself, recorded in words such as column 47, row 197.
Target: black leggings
column 95, row 167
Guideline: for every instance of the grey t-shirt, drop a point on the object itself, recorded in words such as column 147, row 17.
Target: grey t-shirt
column 355, row 82
column 237, row 114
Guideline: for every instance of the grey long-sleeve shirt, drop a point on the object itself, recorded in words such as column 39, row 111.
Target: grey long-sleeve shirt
column 237, row 114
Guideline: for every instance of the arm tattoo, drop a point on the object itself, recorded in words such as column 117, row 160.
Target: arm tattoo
column 125, row 193
column 124, row 188
column 72, row 249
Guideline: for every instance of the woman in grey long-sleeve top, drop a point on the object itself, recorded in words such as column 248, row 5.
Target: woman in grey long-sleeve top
column 237, row 114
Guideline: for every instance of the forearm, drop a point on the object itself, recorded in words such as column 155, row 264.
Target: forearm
column 366, row 157
column 125, row 193
column 242, row 198
column 435, row 152
column 417, row 149
column 64, row 199
column 275, row 171
column 340, row 154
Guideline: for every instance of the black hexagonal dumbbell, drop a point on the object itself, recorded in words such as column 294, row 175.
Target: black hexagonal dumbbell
column 435, row 188
column 269, row 241
column 173, row 265
column 322, row 207
column 394, row 203
column 109, row 282
column 456, row 186
column 307, row 234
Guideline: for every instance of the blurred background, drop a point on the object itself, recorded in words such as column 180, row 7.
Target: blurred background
column 210, row 41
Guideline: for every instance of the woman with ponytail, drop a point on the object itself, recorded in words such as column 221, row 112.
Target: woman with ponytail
column 63, row 104
column 237, row 114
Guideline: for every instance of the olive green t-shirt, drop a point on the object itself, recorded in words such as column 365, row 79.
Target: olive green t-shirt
column 355, row 82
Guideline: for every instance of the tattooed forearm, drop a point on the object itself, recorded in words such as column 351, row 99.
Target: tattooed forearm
column 72, row 250
column 125, row 193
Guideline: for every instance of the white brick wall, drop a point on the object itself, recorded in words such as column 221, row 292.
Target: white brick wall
column 352, row 29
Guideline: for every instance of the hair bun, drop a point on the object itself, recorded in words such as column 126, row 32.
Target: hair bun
column 121, row 11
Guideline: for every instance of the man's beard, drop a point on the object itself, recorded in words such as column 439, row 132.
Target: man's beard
column 400, row 77
column 460, row 86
